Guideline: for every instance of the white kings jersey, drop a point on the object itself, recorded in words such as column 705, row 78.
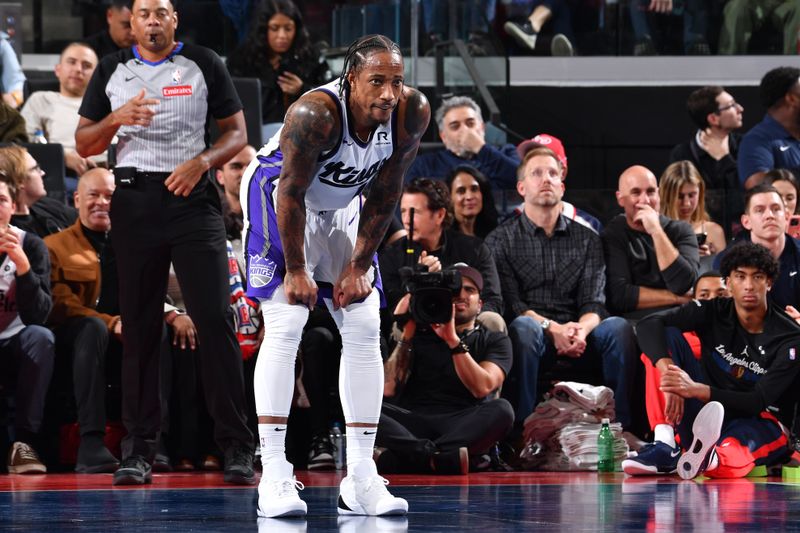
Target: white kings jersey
column 344, row 171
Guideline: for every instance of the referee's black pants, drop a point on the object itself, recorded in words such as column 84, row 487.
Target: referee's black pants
column 151, row 227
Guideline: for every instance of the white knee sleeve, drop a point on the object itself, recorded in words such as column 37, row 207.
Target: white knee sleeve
column 361, row 369
column 273, row 381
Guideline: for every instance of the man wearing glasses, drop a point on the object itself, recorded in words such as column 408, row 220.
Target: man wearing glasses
column 713, row 149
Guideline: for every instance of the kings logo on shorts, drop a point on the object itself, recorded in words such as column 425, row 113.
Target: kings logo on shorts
column 178, row 90
column 259, row 271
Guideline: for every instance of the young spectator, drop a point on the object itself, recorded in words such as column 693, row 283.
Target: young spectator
column 683, row 193
column 118, row 35
column 553, row 279
column 664, row 410
column 787, row 185
column 733, row 396
column 36, row 212
column 278, row 52
column 775, row 141
column 443, row 378
column 85, row 316
column 56, row 113
column 474, row 212
column 713, row 150
column 651, row 260
column 463, row 132
column 26, row 346
column 438, row 246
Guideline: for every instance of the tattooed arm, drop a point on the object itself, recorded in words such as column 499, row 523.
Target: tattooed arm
column 414, row 113
column 311, row 127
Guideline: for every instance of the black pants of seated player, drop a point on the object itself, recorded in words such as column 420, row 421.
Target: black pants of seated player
column 414, row 436
column 152, row 227
column 91, row 348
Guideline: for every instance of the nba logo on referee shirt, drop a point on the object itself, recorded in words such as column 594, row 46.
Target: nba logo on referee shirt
column 792, row 354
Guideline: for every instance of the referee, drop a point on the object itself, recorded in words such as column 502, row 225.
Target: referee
column 156, row 97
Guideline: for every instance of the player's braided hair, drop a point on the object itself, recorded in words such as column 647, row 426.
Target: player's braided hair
column 357, row 54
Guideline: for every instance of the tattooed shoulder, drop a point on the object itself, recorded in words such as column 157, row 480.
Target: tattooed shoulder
column 310, row 125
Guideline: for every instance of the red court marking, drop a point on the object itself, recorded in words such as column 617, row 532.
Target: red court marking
column 213, row 480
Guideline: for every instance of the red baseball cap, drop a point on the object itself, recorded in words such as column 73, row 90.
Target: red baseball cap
column 547, row 141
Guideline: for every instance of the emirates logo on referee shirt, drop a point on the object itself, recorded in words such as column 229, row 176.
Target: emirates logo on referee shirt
column 179, row 90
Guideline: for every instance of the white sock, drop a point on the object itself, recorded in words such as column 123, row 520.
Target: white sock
column 360, row 443
column 664, row 433
column 273, row 442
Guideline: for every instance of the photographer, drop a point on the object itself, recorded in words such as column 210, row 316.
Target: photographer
column 438, row 246
column 443, row 377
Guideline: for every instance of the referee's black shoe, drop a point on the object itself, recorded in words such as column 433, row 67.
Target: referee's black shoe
column 134, row 470
column 239, row 465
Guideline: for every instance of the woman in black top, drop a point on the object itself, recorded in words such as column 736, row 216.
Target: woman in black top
column 473, row 201
column 278, row 52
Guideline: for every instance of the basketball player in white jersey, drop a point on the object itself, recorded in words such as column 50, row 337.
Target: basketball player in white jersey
column 311, row 238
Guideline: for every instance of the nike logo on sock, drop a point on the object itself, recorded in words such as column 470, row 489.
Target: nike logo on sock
column 370, row 432
column 280, row 429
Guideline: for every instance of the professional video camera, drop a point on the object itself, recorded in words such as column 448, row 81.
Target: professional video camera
column 431, row 293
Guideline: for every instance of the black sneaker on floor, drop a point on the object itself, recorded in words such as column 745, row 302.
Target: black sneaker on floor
column 320, row 456
column 133, row 471
column 451, row 462
column 239, row 466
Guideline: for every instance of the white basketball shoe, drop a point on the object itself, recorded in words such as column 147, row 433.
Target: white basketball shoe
column 363, row 492
column 277, row 491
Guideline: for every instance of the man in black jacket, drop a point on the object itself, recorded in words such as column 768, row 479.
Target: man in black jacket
column 27, row 348
column 713, row 150
column 734, row 395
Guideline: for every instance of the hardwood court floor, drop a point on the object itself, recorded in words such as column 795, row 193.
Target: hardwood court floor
column 485, row 503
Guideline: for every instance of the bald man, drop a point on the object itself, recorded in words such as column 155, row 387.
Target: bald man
column 85, row 316
column 651, row 260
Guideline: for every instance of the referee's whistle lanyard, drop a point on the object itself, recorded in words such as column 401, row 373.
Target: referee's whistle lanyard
column 175, row 49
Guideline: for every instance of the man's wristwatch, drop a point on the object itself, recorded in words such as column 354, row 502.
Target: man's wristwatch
column 545, row 324
column 459, row 348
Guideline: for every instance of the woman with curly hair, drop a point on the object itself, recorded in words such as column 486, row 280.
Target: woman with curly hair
column 683, row 192
column 277, row 51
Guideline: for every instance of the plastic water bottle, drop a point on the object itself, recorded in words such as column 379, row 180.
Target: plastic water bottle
column 339, row 444
column 38, row 137
column 605, row 448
